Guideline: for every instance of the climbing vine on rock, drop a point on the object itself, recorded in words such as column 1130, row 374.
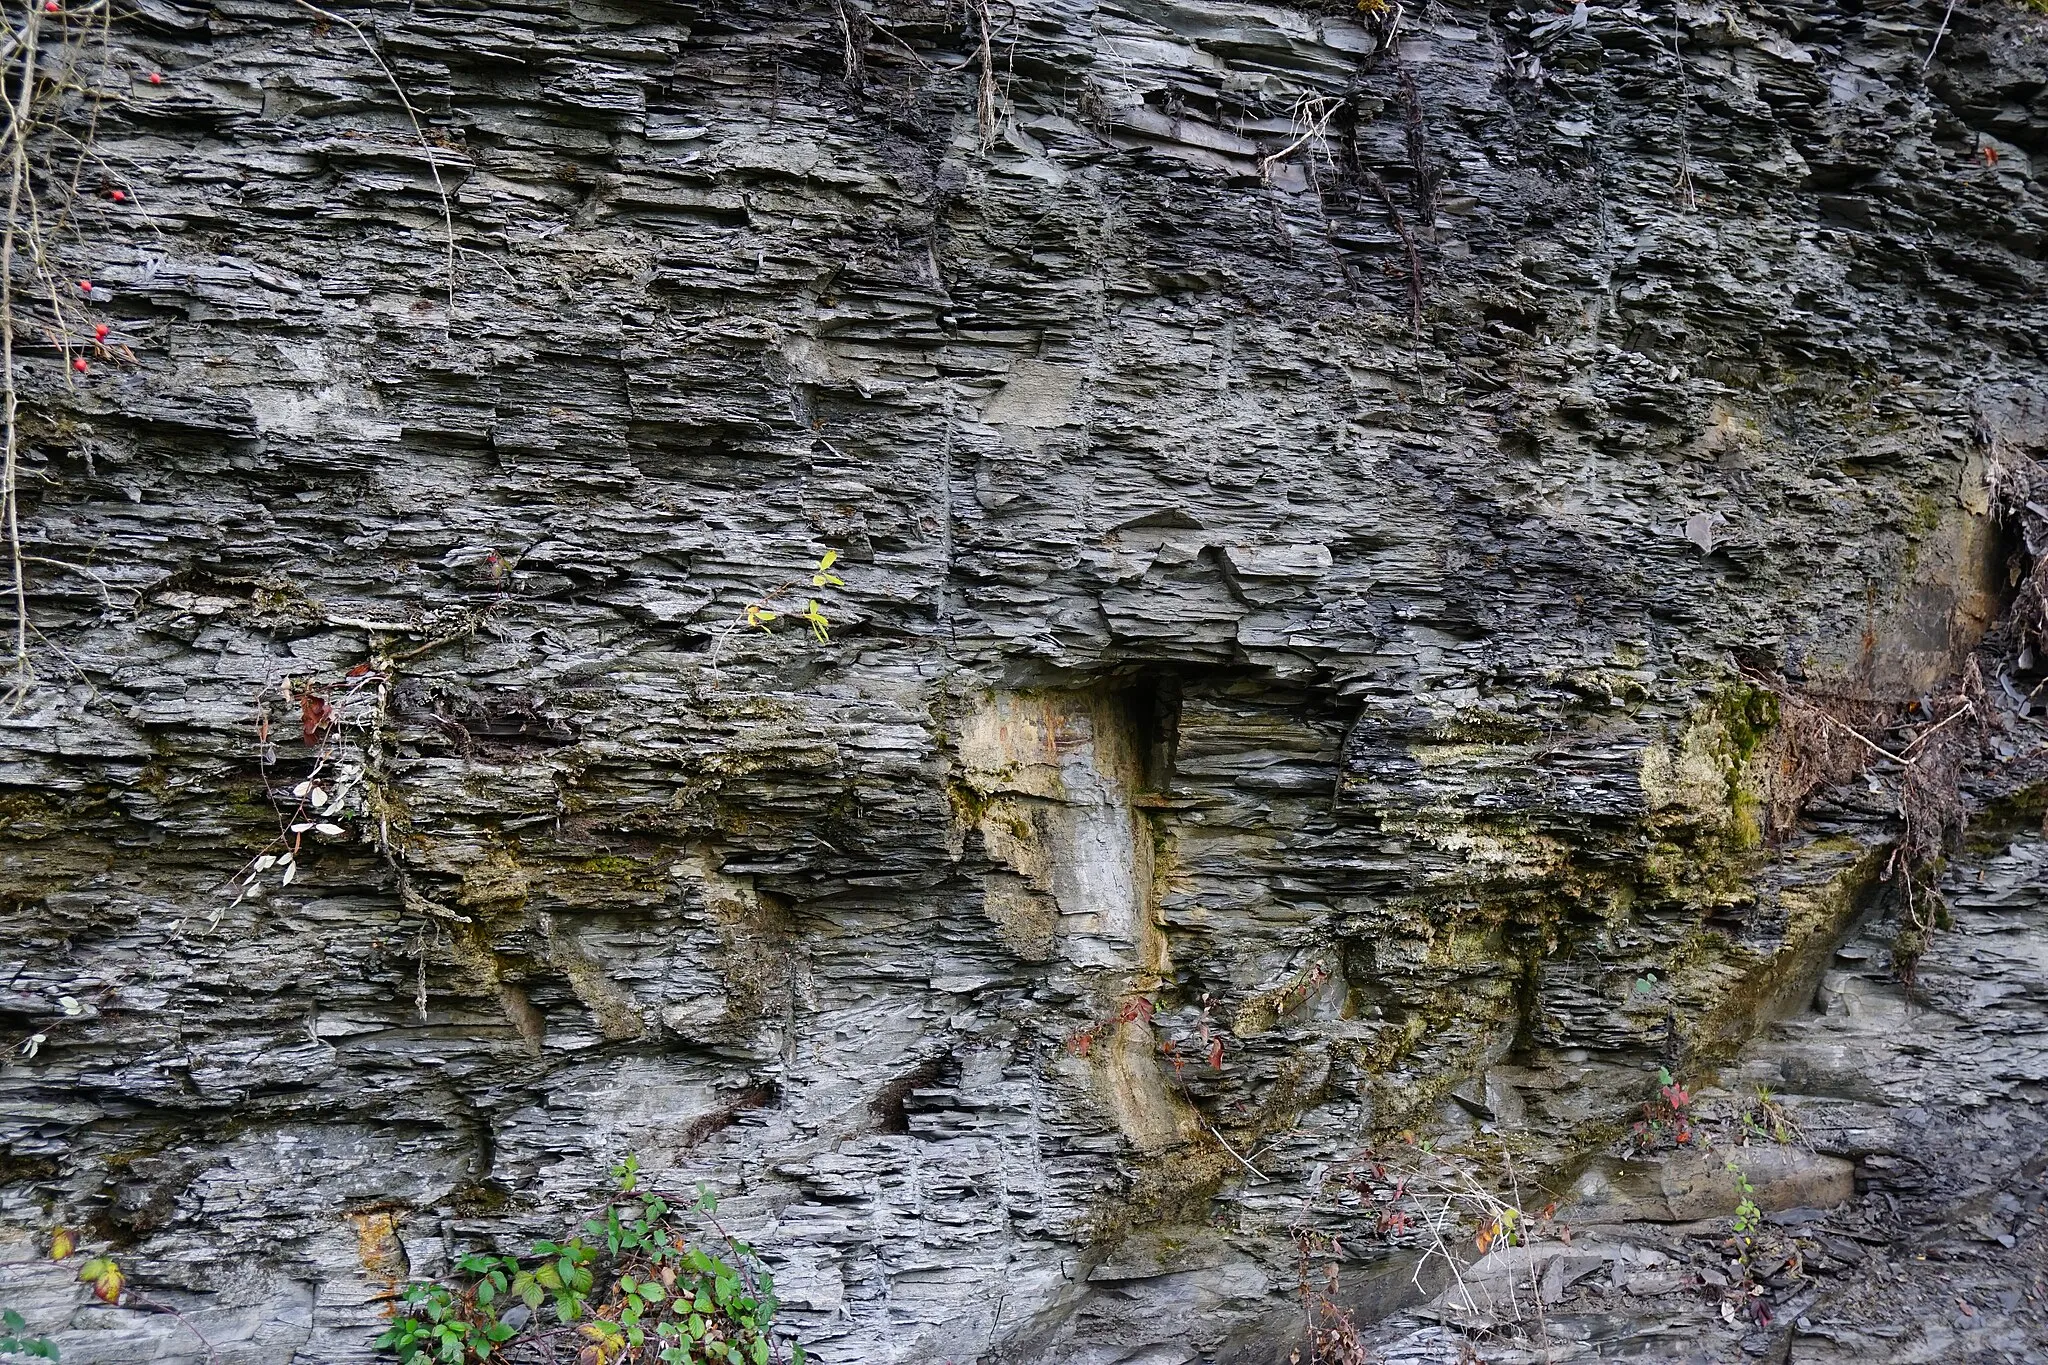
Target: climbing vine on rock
column 63, row 201
column 343, row 726
column 53, row 73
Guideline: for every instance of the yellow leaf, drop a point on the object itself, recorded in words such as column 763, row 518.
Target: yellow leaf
column 831, row 558
column 104, row 1276
column 62, row 1244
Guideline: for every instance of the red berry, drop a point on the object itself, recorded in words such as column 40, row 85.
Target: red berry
column 51, row 7
column 99, row 333
column 120, row 196
column 156, row 78
column 86, row 285
column 80, row 365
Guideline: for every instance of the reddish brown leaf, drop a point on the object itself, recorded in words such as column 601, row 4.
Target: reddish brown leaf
column 313, row 717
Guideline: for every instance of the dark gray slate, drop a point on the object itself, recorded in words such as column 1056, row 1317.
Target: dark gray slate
column 1331, row 647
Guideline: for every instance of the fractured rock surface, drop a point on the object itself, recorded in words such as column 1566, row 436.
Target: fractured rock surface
column 1928, row 1099
column 1304, row 484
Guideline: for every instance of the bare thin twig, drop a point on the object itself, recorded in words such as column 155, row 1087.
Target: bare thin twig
column 1450, row 1258
column 1966, row 709
column 1935, row 46
column 1407, row 235
column 1241, row 1159
column 985, row 95
column 152, row 1306
column 1312, row 113
column 18, row 109
column 419, row 131
column 12, row 43
column 853, row 43
column 106, row 588
column 1857, row 735
column 1507, row 1158
column 892, row 35
column 1684, row 183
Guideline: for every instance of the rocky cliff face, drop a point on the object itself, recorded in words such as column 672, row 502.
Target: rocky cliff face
column 1330, row 505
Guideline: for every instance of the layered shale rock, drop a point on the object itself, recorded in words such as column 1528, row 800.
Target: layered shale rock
column 1329, row 504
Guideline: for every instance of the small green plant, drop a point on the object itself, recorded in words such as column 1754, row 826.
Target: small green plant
column 1748, row 1217
column 1668, row 1117
column 765, row 610
column 628, row 1290
column 15, row 1342
column 758, row 615
column 1764, row 1119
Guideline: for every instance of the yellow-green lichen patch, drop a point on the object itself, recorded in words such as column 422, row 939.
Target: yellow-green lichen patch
column 1482, row 727
column 617, row 1013
column 496, row 883
column 1170, row 1188
column 1715, row 776
column 1817, row 912
column 1263, row 1009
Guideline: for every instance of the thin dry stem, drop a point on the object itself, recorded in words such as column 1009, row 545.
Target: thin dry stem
column 13, row 42
column 1408, row 248
column 853, row 43
column 419, row 131
column 1312, row 114
column 985, row 109
column 19, row 108
column 27, row 235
